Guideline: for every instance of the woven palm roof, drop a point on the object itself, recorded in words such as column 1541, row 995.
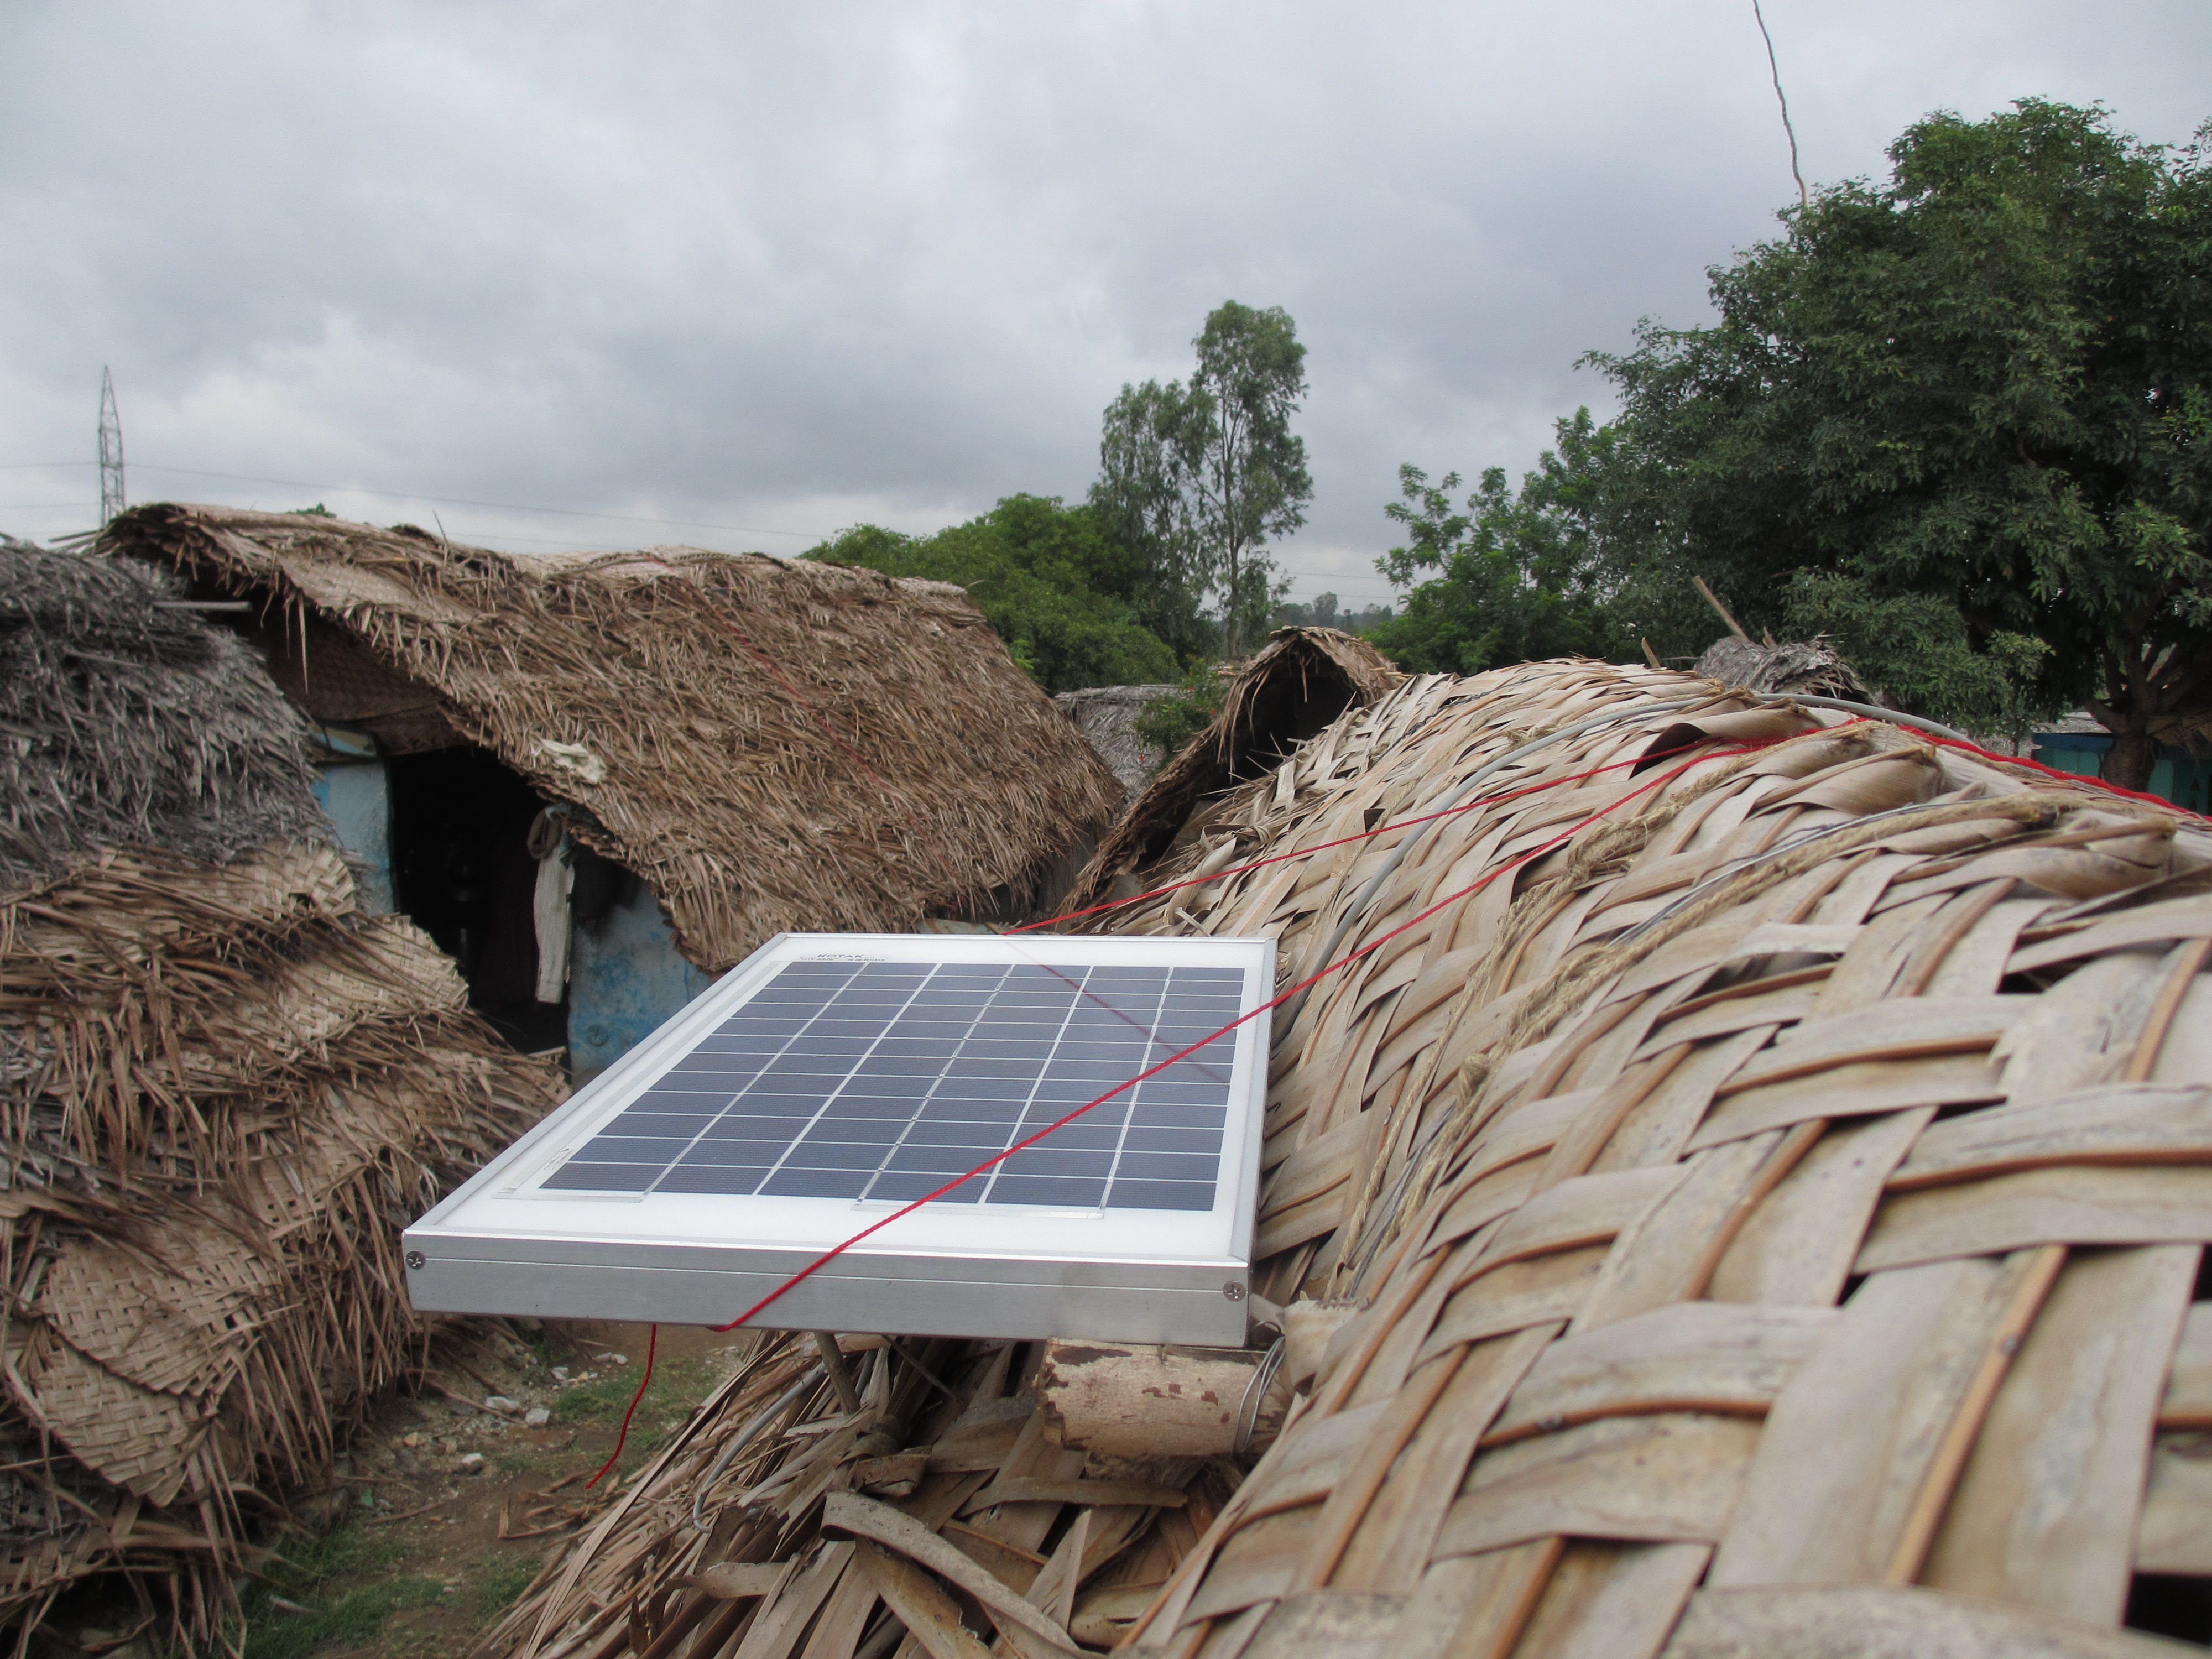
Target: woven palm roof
column 770, row 745
column 1749, row 1197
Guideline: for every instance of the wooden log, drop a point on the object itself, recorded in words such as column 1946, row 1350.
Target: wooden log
column 1139, row 1399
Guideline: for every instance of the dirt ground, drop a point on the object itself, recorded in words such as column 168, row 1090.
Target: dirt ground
column 454, row 1499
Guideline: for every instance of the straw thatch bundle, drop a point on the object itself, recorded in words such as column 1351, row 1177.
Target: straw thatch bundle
column 1808, row 666
column 1297, row 682
column 1766, row 1220
column 124, row 720
column 224, row 1092
column 769, row 744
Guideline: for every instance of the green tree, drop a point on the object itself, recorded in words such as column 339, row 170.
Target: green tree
column 1049, row 578
column 1519, row 574
column 1208, row 474
column 1962, row 420
column 1976, row 400
column 1138, row 500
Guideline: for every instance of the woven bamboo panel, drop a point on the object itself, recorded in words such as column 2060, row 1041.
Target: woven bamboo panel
column 1759, row 1165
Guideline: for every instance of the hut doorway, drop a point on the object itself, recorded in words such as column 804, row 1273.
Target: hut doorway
column 462, row 865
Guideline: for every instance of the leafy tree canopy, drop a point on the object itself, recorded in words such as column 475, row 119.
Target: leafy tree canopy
column 1519, row 574
column 1202, row 476
column 1058, row 588
column 1327, row 610
column 1961, row 420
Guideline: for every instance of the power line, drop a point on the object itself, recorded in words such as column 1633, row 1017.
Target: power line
column 1804, row 195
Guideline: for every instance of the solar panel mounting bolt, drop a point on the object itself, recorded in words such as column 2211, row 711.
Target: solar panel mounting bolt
column 416, row 1259
column 1233, row 1290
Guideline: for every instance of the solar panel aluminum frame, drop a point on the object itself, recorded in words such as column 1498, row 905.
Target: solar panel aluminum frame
column 505, row 1244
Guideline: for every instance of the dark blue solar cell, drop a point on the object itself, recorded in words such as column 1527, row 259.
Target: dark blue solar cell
column 725, row 1179
column 1173, row 1141
column 953, row 1131
column 631, row 1149
column 816, row 1154
column 858, row 1130
column 1165, row 1166
column 735, row 1127
column 788, row 1183
column 1086, row 1131
column 681, row 1126
column 934, row 1049
column 870, row 1108
column 906, row 1093
column 938, row 1160
column 1044, row 1161
column 896, row 1187
column 1155, row 1092
column 600, row 1178
column 1000, row 1114
column 1061, row 1194
column 975, row 1065
column 1161, row 1195
column 763, row 1153
column 981, row 1088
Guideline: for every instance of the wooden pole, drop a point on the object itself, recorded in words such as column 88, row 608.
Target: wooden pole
column 1713, row 599
column 1135, row 1400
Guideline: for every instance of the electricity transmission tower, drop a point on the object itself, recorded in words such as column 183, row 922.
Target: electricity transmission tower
column 111, row 450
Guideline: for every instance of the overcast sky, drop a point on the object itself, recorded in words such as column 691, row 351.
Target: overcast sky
column 781, row 269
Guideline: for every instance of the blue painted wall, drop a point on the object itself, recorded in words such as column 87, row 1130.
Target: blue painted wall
column 624, row 981
column 2179, row 777
column 357, row 798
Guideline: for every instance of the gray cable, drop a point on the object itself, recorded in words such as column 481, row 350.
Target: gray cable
column 1255, row 1397
column 1872, row 711
column 745, row 1436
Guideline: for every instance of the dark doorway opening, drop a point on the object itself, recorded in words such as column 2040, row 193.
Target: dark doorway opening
column 461, row 863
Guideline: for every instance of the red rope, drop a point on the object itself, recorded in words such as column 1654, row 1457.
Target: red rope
column 1553, row 783
column 1369, row 834
column 621, row 1435
column 945, row 863
column 1373, row 945
column 2159, row 801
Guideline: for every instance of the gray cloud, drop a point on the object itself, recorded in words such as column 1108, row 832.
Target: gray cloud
column 789, row 268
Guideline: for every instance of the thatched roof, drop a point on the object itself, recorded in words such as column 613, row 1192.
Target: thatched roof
column 1107, row 715
column 1763, row 1221
column 1811, row 667
column 769, row 744
column 125, row 722
column 1289, row 689
column 224, row 1093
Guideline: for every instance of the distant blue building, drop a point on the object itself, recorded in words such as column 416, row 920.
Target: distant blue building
column 2079, row 744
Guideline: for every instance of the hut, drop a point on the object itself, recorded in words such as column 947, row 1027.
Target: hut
column 1738, row 1185
column 1292, row 688
column 226, row 1089
column 598, row 783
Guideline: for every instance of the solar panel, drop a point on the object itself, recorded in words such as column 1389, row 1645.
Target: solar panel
column 831, row 1078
